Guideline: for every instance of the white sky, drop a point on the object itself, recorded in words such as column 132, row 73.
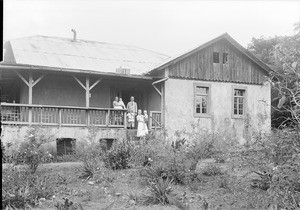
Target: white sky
column 169, row 27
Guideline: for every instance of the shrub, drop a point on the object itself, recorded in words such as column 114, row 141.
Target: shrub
column 31, row 151
column 168, row 164
column 148, row 151
column 199, row 143
column 285, row 184
column 104, row 176
column 118, row 157
column 158, row 189
column 275, row 157
column 212, row 170
column 224, row 181
column 91, row 155
column 3, row 152
column 20, row 187
column 64, row 158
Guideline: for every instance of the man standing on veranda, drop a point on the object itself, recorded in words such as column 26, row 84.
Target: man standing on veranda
column 132, row 106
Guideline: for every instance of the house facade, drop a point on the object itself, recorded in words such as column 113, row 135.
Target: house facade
column 220, row 86
column 68, row 86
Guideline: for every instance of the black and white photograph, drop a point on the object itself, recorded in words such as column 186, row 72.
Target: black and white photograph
column 140, row 105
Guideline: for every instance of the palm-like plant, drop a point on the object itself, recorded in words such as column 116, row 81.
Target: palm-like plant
column 159, row 190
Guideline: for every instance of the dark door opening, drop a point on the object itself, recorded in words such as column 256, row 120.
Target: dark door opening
column 138, row 98
column 106, row 143
column 65, row 146
column 126, row 94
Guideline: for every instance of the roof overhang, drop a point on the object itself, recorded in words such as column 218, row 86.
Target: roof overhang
column 223, row 36
column 77, row 71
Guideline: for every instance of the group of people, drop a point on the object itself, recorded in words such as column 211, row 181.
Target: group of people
column 133, row 113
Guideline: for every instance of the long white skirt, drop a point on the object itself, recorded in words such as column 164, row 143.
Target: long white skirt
column 142, row 129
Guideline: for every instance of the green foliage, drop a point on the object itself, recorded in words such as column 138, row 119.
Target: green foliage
column 158, row 189
column 31, row 151
column 262, row 47
column 66, row 205
column 224, row 182
column 91, row 155
column 148, row 150
column 64, row 158
column 276, row 159
column 3, row 152
column 285, row 185
column 118, row 157
column 178, row 160
column 282, row 53
column 201, row 144
column 20, row 187
column 212, row 170
column 168, row 163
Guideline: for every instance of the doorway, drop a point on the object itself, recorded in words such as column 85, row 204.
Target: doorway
column 138, row 98
column 126, row 94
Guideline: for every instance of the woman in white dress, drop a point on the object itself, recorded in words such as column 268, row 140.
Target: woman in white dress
column 117, row 116
column 142, row 129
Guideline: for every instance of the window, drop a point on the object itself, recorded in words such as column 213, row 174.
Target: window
column 239, row 102
column 106, row 144
column 201, row 99
column 65, row 146
column 225, row 58
column 215, row 57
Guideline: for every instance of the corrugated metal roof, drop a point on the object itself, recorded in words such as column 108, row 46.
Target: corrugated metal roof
column 81, row 54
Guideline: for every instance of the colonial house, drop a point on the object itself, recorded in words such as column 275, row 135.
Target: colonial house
column 68, row 86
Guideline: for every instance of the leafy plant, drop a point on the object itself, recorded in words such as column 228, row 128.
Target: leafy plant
column 90, row 153
column 158, row 189
column 275, row 158
column 118, row 157
column 31, row 151
column 3, row 152
column 212, row 170
column 20, row 187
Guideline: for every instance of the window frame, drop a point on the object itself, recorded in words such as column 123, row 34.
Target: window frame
column 237, row 87
column 227, row 58
column 208, row 114
column 213, row 57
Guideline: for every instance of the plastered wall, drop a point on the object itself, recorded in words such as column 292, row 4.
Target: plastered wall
column 179, row 108
column 17, row 134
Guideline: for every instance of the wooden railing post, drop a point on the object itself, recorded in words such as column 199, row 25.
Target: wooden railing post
column 87, row 117
column 59, row 117
column 125, row 119
column 108, row 117
column 41, row 115
column 29, row 115
column 150, row 120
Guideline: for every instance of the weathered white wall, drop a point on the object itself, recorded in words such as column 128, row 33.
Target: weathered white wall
column 16, row 134
column 179, row 108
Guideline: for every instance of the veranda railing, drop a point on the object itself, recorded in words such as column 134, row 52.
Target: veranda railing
column 25, row 114
column 12, row 113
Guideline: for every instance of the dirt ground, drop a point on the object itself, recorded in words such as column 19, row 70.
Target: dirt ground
column 236, row 194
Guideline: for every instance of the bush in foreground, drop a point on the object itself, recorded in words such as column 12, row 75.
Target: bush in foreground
column 276, row 158
column 118, row 157
column 21, row 188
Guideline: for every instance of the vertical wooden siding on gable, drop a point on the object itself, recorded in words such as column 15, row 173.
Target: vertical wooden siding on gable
column 200, row 66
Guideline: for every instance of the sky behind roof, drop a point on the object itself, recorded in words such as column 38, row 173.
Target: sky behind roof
column 168, row 27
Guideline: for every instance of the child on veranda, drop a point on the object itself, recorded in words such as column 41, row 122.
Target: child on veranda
column 130, row 117
column 142, row 129
column 146, row 118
